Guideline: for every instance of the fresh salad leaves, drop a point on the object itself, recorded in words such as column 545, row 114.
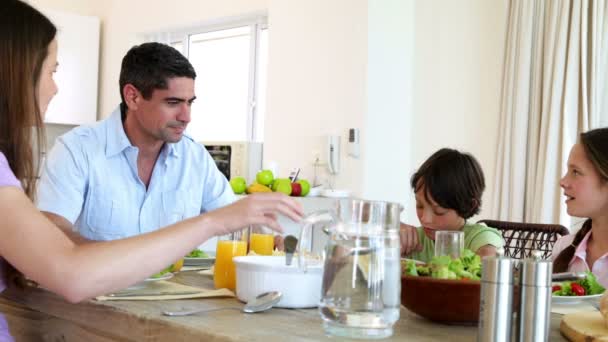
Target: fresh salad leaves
column 468, row 266
column 583, row 287
column 197, row 253
column 163, row 272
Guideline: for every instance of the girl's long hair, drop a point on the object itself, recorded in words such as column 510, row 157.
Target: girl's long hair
column 25, row 35
column 595, row 143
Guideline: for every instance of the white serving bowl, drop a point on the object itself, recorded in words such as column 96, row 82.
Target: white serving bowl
column 259, row 274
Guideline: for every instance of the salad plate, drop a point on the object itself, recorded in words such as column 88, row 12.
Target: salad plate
column 165, row 276
column 565, row 293
column 150, row 280
column 199, row 258
column 200, row 262
column 575, row 299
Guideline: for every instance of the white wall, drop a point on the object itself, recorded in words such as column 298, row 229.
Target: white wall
column 316, row 83
column 413, row 75
column 83, row 7
column 387, row 136
column 457, row 80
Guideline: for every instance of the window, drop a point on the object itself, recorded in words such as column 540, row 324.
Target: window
column 230, row 60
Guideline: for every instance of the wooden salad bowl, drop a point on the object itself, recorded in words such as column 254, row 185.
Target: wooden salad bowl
column 442, row 300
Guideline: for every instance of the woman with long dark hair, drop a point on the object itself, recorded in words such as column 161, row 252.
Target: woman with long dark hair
column 31, row 243
column 586, row 188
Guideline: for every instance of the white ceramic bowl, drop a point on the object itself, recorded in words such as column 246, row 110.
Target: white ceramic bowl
column 259, row 274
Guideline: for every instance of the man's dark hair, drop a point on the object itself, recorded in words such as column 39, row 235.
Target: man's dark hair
column 150, row 65
column 454, row 180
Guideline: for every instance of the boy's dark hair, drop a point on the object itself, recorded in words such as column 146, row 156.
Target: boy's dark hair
column 454, row 180
column 149, row 66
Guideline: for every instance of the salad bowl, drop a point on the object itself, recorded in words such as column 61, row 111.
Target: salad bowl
column 442, row 300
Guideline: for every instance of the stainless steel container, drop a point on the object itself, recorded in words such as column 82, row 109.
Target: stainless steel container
column 535, row 307
column 496, row 302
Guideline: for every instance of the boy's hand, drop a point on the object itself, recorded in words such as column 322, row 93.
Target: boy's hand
column 409, row 239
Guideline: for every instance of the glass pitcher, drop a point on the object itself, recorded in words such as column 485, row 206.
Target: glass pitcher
column 361, row 289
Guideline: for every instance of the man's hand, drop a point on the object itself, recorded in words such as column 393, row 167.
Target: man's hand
column 409, row 239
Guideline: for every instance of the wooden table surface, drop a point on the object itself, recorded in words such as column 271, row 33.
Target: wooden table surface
column 37, row 315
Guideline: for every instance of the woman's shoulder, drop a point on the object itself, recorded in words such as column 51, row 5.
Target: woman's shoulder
column 7, row 177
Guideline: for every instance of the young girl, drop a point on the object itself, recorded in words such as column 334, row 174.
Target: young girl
column 30, row 242
column 586, row 189
column 448, row 188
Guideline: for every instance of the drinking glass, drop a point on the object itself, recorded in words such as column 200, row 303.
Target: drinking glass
column 228, row 247
column 449, row 242
column 261, row 240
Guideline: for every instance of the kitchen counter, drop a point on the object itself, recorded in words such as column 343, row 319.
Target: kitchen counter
column 37, row 315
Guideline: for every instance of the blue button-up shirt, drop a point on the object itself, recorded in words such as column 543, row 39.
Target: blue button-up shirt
column 90, row 178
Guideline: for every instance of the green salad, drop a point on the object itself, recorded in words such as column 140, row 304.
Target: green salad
column 197, row 253
column 468, row 266
column 583, row 287
column 163, row 272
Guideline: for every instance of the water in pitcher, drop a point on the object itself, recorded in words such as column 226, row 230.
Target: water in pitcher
column 361, row 284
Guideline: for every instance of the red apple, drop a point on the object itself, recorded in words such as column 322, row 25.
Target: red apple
column 296, row 189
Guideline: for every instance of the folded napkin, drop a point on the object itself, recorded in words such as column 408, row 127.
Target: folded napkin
column 564, row 309
column 162, row 290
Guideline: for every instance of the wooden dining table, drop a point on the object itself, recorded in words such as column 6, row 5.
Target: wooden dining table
column 35, row 314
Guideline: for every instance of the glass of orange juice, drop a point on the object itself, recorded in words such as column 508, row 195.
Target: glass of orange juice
column 224, row 274
column 261, row 240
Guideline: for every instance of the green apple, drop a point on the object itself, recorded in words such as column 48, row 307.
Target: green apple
column 283, row 185
column 305, row 187
column 238, row 184
column 276, row 181
column 264, row 177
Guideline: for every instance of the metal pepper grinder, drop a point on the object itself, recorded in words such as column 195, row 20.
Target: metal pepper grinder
column 535, row 309
column 496, row 310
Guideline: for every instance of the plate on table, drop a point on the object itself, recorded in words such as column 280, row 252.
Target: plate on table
column 575, row 299
column 199, row 262
column 150, row 280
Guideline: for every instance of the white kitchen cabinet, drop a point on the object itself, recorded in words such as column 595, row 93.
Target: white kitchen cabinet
column 77, row 74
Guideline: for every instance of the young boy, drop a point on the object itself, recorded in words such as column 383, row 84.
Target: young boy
column 448, row 188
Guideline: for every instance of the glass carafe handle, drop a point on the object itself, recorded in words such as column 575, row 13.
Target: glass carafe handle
column 304, row 243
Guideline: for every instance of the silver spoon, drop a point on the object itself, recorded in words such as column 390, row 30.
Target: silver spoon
column 260, row 303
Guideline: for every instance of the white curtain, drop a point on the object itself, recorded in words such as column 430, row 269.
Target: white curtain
column 554, row 87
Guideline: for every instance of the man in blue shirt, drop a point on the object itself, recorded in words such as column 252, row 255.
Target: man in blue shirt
column 135, row 171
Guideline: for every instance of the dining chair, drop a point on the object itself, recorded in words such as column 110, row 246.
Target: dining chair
column 522, row 238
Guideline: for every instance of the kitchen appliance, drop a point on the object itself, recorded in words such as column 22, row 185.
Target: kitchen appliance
column 236, row 158
column 360, row 294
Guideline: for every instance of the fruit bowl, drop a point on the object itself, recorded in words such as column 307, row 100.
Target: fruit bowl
column 442, row 300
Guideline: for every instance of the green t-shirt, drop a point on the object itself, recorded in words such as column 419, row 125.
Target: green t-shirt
column 475, row 237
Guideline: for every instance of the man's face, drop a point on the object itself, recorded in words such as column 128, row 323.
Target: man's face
column 165, row 115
